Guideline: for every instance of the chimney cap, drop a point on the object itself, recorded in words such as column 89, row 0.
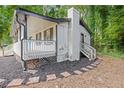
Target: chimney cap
column 73, row 9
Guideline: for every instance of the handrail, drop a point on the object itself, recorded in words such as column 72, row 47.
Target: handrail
column 40, row 40
column 92, row 51
column 88, row 45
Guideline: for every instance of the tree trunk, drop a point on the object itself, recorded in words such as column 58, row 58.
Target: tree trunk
column 2, row 51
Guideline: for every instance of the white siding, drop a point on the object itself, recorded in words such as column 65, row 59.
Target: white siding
column 74, row 35
column 17, row 45
column 22, row 32
column 86, row 34
column 17, row 48
column 62, row 42
column 18, row 35
column 86, row 37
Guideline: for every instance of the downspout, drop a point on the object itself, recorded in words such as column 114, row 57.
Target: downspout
column 25, row 67
column 56, row 42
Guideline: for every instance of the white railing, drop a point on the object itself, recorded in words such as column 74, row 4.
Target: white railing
column 38, row 49
column 88, row 50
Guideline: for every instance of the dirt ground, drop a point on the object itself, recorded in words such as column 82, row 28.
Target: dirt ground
column 109, row 73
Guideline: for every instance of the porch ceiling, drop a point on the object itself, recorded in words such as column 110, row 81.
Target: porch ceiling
column 35, row 24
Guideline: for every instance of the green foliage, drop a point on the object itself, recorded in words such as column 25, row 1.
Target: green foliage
column 115, row 53
column 105, row 22
column 5, row 24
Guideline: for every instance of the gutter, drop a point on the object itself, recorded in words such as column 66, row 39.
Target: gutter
column 25, row 67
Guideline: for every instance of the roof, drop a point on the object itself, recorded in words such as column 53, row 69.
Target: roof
column 57, row 20
column 85, row 26
column 27, row 12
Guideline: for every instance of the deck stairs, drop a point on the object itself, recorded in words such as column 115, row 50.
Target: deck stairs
column 88, row 51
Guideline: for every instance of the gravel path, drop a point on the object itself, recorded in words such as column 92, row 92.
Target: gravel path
column 10, row 68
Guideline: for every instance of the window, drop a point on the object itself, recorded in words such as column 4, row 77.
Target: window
column 45, row 38
column 39, row 36
column 48, row 34
column 51, row 33
column 36, row 36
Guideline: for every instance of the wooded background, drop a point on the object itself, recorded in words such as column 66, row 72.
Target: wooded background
column 105, row 22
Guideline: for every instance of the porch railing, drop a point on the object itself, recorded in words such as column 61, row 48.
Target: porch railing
column 38, row 49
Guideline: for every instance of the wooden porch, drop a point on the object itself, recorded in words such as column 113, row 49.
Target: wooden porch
column 33, row 49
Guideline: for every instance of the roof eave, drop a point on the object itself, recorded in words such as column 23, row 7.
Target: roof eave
column 85, row 26
column 25, row 12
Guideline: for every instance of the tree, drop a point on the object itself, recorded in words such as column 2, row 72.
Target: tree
column 5, row 24
column 105, row 22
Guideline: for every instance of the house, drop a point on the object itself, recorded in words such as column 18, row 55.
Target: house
column 36, row 36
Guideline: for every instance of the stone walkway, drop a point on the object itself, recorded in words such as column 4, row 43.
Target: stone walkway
column 44, row 73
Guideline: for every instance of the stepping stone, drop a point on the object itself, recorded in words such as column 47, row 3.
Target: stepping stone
column 97, row 62
column 65, row 74
column 32, row 71
column 2, row 82
column 51, row 77
column 33, row 80
column 15, row 83
column 90, row 67
column 84, row 69
column 93, row 65
column 78, row 72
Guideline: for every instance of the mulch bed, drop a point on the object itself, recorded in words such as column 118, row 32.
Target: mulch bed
column 109, row 73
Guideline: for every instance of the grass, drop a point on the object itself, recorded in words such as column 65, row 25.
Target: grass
column 112, row 53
